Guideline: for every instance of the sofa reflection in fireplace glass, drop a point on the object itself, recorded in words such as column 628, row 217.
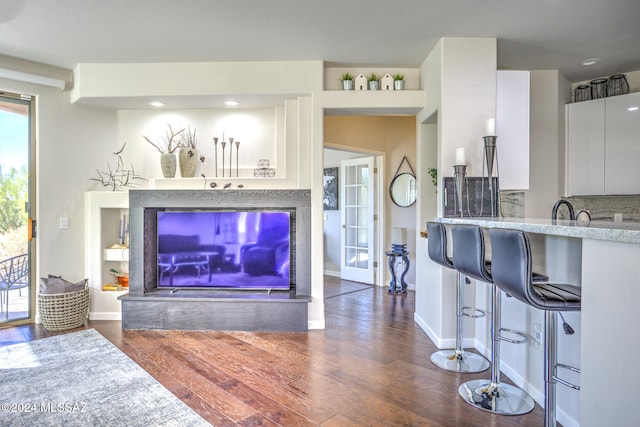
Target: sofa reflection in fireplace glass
column 224, row 249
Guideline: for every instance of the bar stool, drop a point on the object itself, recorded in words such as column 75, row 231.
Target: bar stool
column 458, row 360
column 512, row 273
column 469, row 257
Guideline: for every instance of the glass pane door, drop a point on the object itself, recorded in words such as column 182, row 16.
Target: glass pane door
column 357, row 220
column 15, row 295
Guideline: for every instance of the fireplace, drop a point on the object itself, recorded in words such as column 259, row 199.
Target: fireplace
column 218, row 259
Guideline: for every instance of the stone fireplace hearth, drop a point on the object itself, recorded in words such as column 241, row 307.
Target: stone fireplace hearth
column 148, row 307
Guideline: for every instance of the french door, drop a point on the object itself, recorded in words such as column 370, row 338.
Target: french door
column 357, row 214
column 16, row 293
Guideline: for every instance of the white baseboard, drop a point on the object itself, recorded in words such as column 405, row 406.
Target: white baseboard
column 439, row 341
column 332, row 273
column 423, row 325
column 316, row 324
column 105, row 315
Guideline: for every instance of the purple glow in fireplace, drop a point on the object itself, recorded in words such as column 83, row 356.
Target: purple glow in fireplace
column 239, row 249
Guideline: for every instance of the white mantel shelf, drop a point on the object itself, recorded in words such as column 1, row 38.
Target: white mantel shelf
column 200, row 184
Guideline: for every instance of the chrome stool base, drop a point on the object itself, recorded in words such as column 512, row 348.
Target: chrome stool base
column 501, row 399
column 462, row 362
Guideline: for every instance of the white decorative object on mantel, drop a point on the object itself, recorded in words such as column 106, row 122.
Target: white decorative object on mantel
column 386, row 82
column 361, row 82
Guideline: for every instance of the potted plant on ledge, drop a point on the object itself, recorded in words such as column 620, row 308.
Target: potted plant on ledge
column 398, row 82
column 374, row 81
column 347, row 81
column 167, row 150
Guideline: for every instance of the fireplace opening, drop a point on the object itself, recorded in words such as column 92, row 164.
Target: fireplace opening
column 241, row 249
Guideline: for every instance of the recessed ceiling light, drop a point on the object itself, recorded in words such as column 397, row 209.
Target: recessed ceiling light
column 157, row 104
column 590, row 61
column 231, row 103
column 634, row 108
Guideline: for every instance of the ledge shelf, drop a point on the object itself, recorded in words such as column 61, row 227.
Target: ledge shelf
column 336, row 102
column 120, row 255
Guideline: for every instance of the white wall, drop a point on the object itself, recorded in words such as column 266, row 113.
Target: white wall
column 255, row 129
column 459, row 77
column 72, row 141
column 549, row 93
column 95, row 82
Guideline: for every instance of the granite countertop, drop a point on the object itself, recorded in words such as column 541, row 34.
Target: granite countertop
column 625, row 232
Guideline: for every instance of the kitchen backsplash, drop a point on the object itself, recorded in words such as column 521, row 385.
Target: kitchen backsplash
column 512, row 204
column 603, row 208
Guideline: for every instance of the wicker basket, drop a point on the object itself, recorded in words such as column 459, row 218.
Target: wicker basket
column 59, row 312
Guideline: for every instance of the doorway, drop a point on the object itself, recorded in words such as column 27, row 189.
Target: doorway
column 16, row 195
column 352, row 228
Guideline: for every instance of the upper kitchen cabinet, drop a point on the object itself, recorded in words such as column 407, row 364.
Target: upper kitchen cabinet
column 603, row 146
column 512, row 127
column 585, row 133
column 622, row 145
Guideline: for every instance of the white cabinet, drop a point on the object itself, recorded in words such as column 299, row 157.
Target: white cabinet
column 603, row 146
column 622, row 145
column 585, row 147
column 512, row 127
column 102, row 213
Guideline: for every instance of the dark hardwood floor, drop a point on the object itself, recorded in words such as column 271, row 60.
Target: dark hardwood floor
column 369, row 367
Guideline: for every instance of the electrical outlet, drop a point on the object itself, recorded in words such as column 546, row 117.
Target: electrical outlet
column 536, row 334
column 64, row 223
column 617, row 217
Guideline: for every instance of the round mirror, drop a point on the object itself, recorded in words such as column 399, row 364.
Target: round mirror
column 403, row 190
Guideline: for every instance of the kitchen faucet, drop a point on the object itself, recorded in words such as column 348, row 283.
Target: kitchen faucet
column 554, row 211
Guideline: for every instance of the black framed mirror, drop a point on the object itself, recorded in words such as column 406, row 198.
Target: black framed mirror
column 402, row 189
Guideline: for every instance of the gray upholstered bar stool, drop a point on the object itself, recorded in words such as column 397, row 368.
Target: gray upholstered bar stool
column 457, row 360
column 512, row 273
column 469, row 257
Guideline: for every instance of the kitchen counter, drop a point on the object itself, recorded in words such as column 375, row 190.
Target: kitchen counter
column 608, row 255
column 626, row 232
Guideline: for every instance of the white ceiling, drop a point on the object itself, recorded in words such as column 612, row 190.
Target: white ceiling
column 532, row 34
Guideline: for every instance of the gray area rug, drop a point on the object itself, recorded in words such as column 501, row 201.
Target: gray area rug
column 81, row 379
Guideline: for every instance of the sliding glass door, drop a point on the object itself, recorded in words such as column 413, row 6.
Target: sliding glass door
column 16, row 293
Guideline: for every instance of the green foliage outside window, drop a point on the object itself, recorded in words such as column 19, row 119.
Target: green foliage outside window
column 13, row 193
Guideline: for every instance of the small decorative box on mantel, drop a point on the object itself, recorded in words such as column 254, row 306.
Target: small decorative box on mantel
column 361, row 82
column 386, row 82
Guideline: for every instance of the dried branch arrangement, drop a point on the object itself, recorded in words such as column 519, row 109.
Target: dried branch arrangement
column 171, row 143
column 120, row 176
